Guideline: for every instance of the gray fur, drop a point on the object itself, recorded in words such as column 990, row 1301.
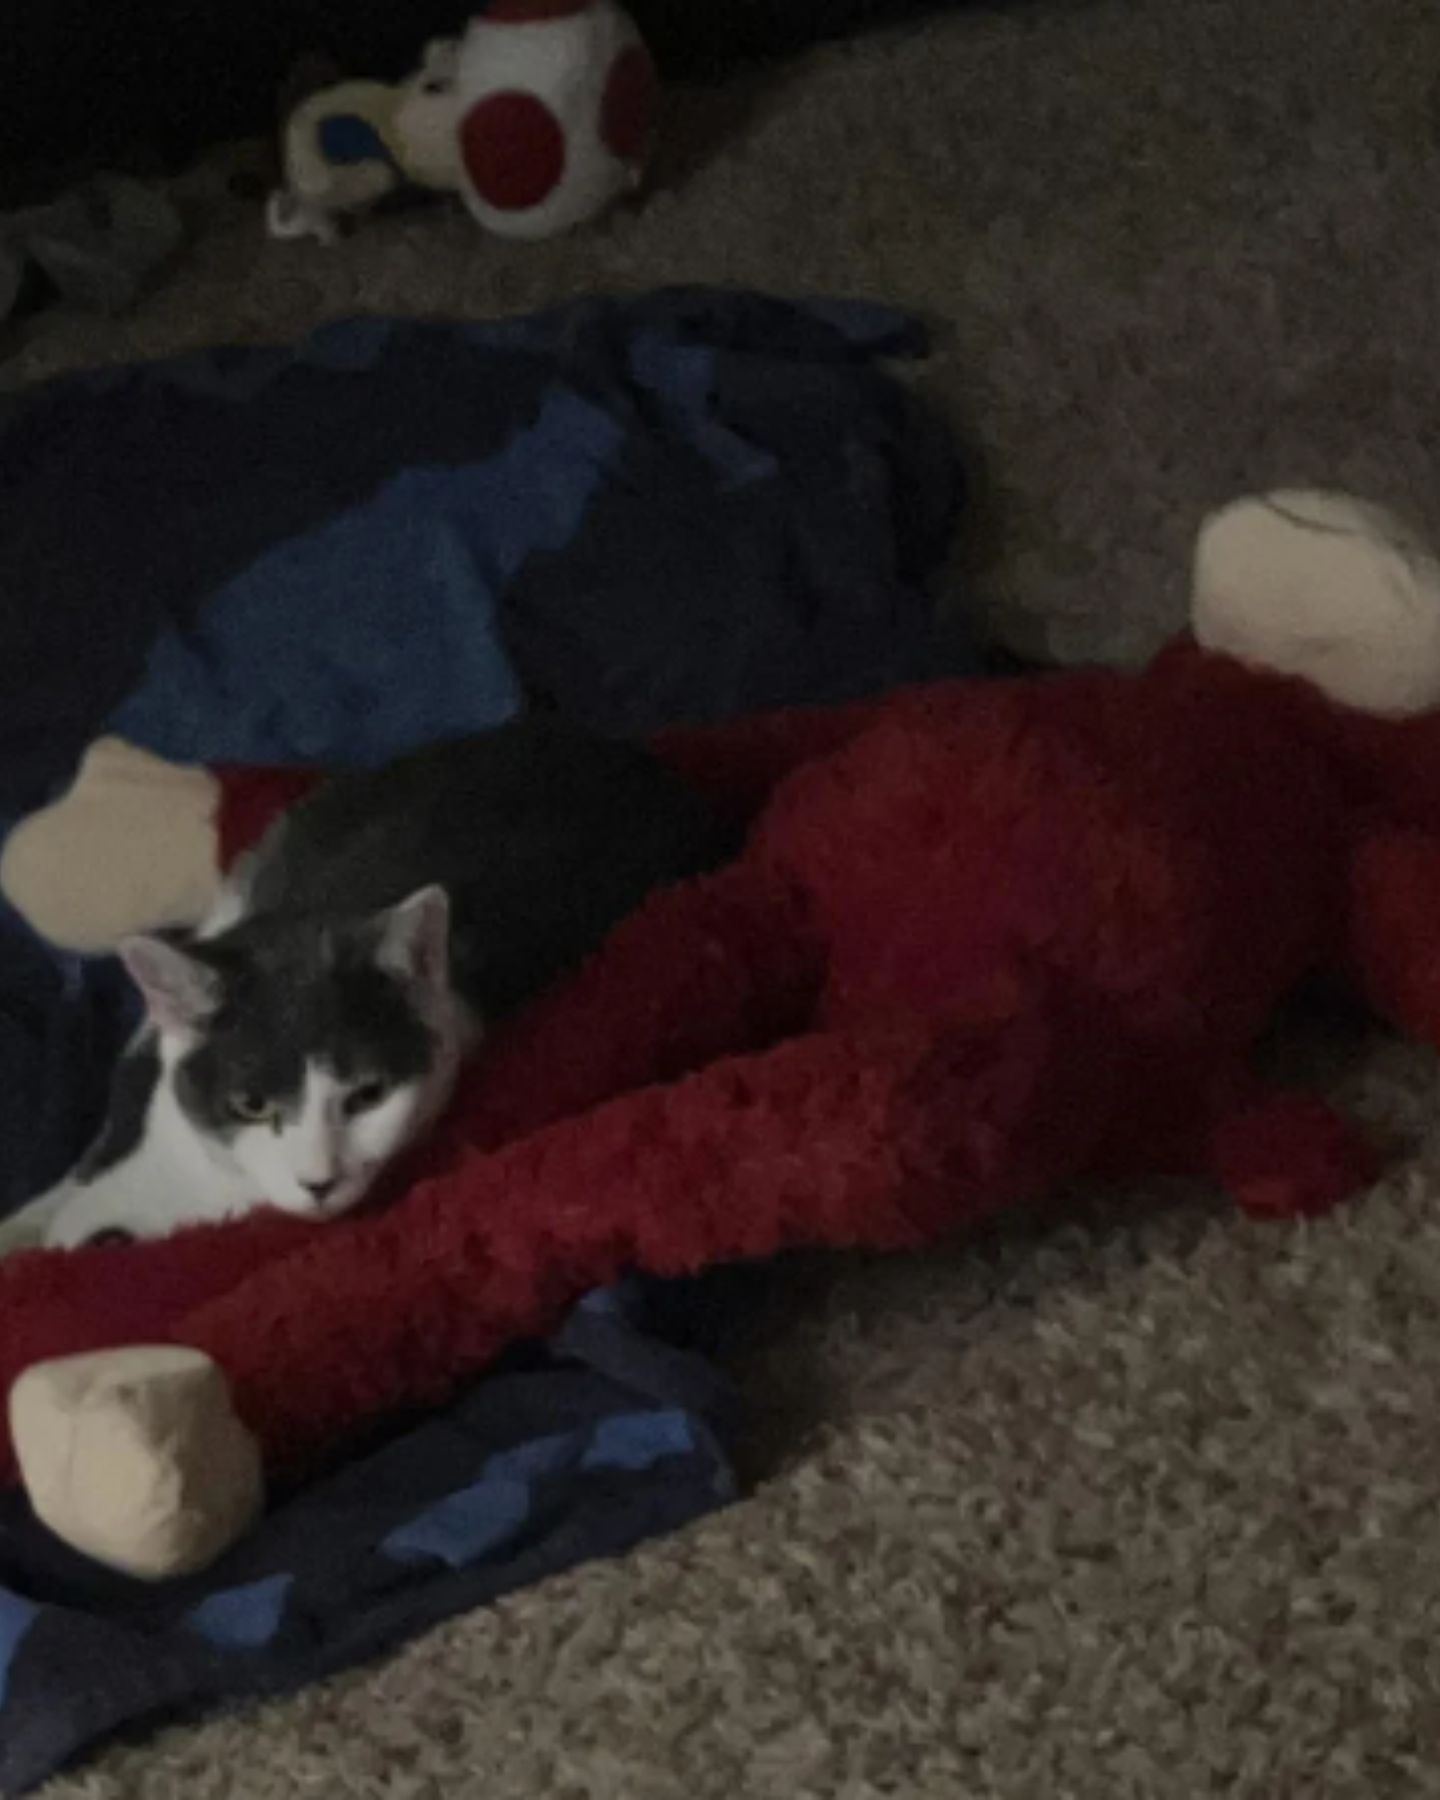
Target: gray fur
column 543, row 835
column 293, row 993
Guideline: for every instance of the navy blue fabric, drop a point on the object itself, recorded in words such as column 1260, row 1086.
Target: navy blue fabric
column 579, row 1449
column 63, row 1021
column 673, row 508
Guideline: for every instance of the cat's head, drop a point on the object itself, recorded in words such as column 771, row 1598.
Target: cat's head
column 306, row 1053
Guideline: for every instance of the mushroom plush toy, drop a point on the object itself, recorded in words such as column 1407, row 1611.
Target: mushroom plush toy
column 555, row 107
column 539, row 117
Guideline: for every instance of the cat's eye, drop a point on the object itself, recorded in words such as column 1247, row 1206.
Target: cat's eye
column 365, row 1098
column 250, row 1109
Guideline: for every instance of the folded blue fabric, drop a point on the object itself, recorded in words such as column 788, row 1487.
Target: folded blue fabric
column 672, row 508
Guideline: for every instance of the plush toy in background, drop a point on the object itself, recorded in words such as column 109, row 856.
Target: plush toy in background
column 556, row 109
column 985, row 939
column 540, row 118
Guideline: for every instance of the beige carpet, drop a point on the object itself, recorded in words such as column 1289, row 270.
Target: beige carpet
column 1148, row 1506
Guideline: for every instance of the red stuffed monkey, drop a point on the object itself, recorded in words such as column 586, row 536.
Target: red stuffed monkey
column 983, row 940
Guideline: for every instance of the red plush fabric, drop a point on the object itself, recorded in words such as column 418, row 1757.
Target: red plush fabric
column 983, row 939
column 249, row 800
column 1290, row 1156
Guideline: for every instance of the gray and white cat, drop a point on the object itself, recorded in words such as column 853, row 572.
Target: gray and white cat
column 314, row 1026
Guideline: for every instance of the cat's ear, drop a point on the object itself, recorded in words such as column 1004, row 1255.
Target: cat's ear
column 179, row 990
column 415, row 939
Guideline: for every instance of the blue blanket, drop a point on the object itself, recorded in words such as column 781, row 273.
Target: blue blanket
column 676, row 508
column 680, row 507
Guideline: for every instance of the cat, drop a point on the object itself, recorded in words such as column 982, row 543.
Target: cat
column 313, row 1027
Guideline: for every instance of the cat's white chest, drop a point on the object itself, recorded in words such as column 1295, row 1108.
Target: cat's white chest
column 168, row 1180
column 149, row 1195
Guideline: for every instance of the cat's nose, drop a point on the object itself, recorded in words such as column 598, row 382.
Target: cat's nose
column 320, row 1191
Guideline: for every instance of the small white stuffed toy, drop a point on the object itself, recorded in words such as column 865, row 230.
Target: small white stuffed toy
column 347, row 147
column 540, row 118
